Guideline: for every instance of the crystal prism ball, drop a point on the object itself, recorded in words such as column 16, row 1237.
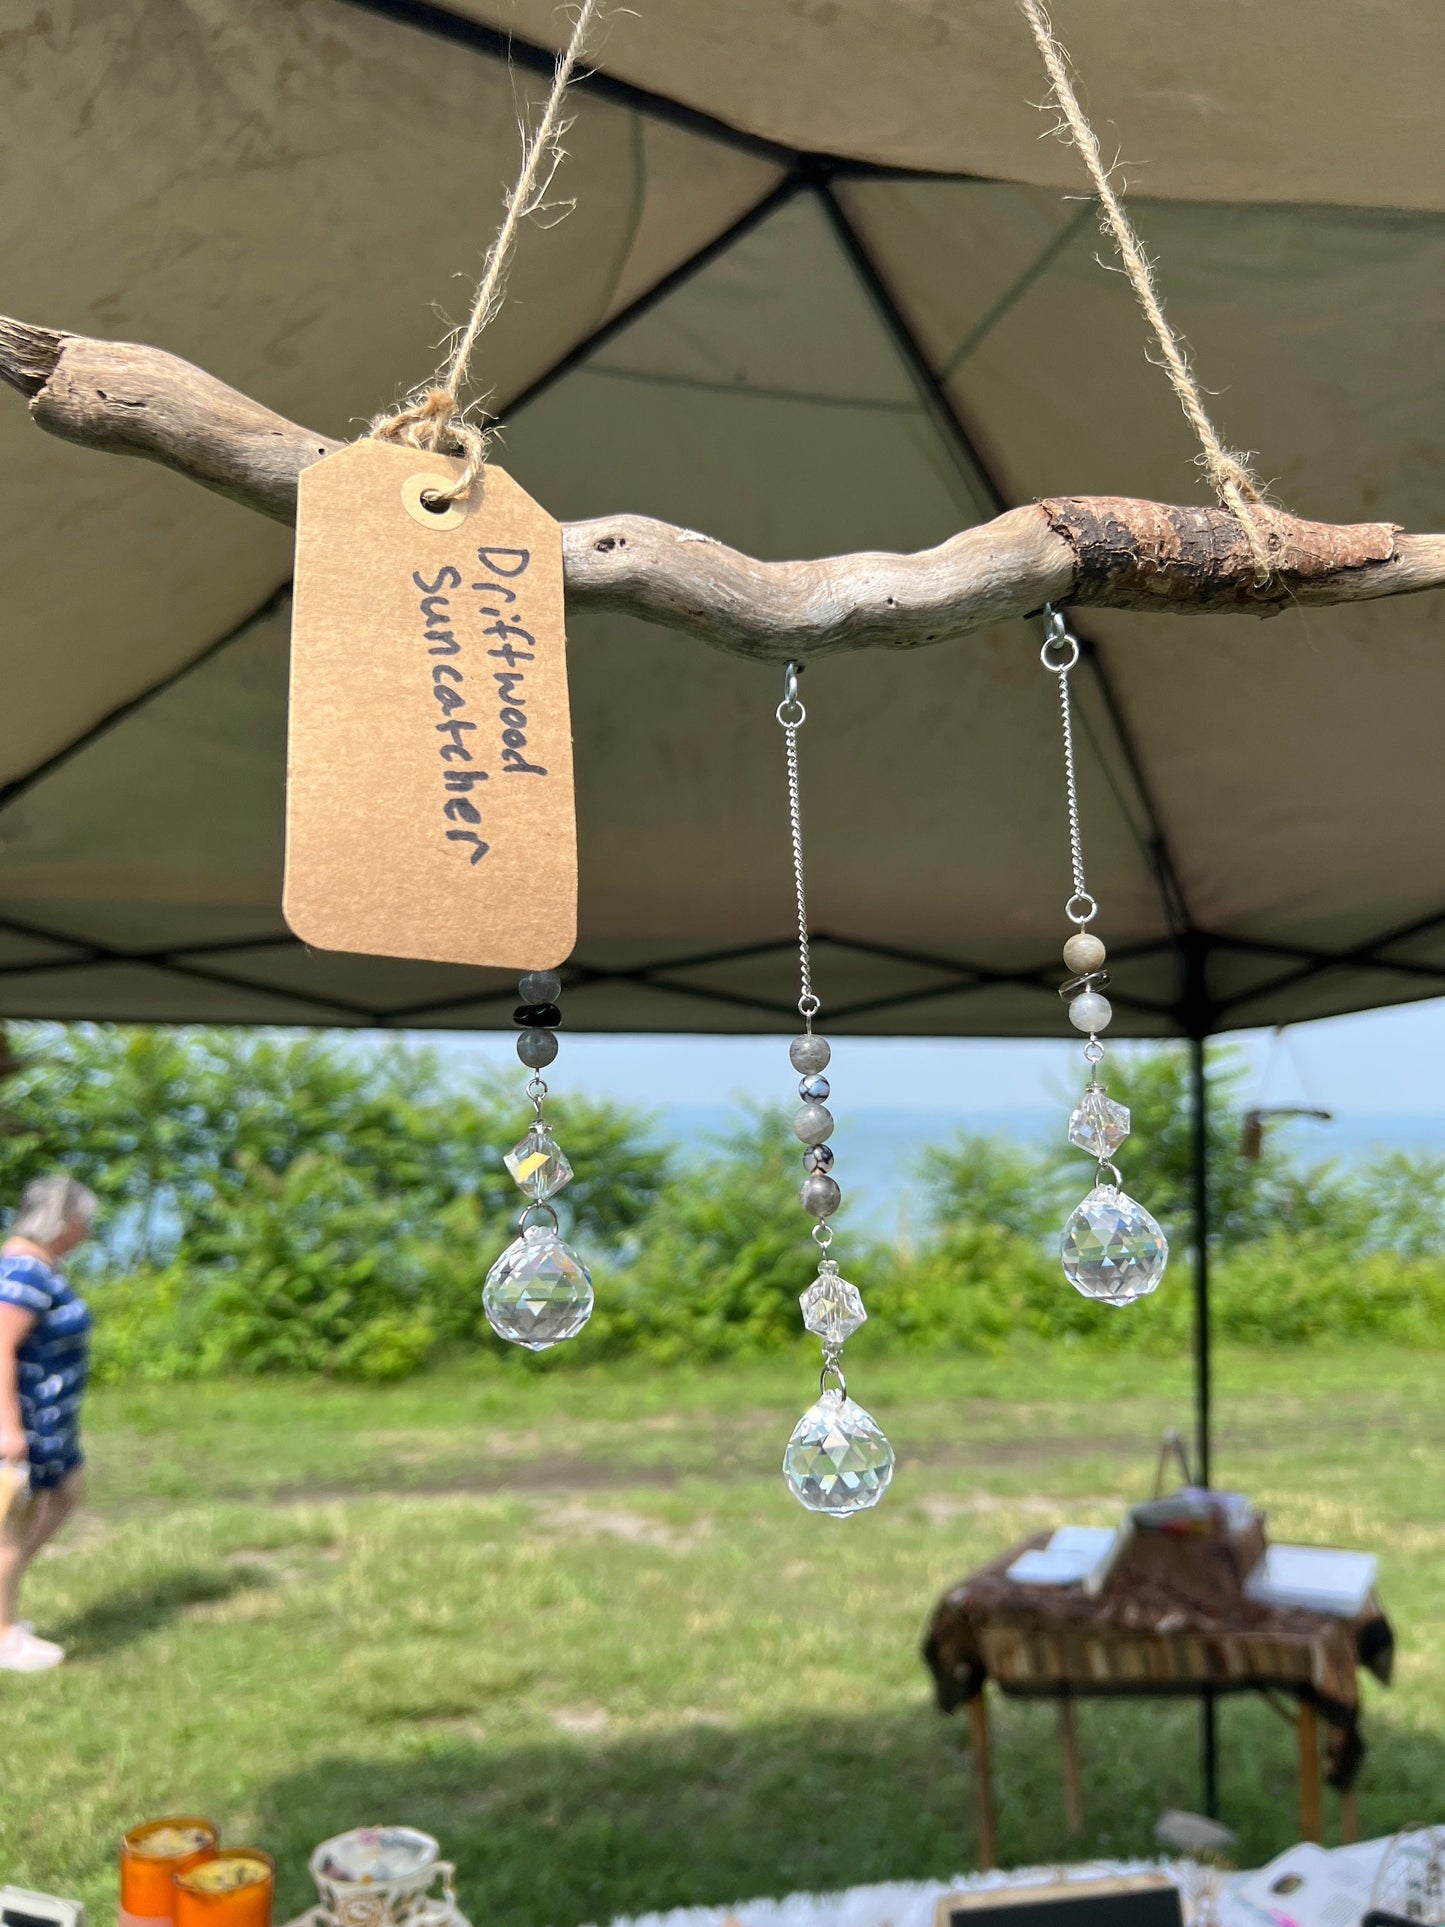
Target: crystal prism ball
column 1112, row 1249
column 538, row 1292
column 837, row 1460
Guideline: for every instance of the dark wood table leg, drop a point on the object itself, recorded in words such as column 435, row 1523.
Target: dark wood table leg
column 981, row 1756
column 1311, row 1815
column 1349, row 1816
column 1073, row 1784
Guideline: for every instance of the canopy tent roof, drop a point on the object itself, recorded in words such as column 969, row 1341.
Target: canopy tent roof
column 825, row 288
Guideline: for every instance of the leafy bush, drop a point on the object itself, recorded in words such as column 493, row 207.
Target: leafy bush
column 725, row 1255
column 301, row 1203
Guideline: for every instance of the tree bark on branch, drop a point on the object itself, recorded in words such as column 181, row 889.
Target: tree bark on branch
column 1110, row 552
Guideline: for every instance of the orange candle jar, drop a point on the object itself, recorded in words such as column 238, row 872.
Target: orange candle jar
column 231, row 1889
column 150, row 1858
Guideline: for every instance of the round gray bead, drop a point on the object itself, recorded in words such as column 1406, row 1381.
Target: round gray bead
column 536, row 1048
column 809, row 1054
column 814, row 1123
column 1084, row 952
column 819, row 1196
column 539, row 987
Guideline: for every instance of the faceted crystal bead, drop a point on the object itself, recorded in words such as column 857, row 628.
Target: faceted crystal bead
column 1099, row 1125
column 538, row 1166
column 1112, row 1249
column 832, row 1307
column 837, row 1460
column 538, row 1292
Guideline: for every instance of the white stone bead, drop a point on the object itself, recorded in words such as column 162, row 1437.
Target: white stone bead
column 1090, row 1012
column 1083, row 953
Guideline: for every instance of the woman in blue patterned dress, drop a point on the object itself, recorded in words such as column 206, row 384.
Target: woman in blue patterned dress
column 44, row 1359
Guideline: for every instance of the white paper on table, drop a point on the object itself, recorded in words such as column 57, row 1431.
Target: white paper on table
column 1308, row 1887
column 1072, row 1557
column 1314, row 1577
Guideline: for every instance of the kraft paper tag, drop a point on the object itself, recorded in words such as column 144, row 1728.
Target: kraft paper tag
column 430, row 809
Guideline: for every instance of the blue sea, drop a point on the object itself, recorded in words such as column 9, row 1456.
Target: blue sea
column 878, row 1162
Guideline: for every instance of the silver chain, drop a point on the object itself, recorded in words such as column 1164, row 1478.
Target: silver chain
column 1059, row 654
column 792, row 715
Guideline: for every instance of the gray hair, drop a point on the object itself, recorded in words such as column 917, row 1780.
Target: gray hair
column 49, row 1205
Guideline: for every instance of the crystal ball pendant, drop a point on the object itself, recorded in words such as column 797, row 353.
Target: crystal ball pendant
column 1112, row 1249
column 837, row 1461
column 538, row 1292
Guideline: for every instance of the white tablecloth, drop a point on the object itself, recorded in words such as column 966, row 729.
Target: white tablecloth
column 911, row 1903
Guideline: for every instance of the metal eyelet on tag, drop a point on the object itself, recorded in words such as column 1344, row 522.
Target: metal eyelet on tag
column 448, row 515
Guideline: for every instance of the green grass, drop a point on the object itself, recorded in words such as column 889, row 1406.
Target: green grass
column 573, row 1624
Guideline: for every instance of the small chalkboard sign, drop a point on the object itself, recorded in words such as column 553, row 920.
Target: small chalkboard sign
column 1128, row 1900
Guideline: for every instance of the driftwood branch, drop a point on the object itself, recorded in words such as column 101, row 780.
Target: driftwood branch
column 1108, row 552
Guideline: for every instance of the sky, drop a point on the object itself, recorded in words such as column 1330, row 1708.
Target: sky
column 1377, row 1063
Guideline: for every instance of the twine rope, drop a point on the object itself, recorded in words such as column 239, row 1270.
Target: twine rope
column 433, row 417
column 1228, row 471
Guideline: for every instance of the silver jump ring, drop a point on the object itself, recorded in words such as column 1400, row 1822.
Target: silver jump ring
column 790, row 712
column 1093, row 1051
column 1060, row 651
column 809, row 1005
column 823, row 1235
column 1081, row 908
column 831, row 1368
column 524, row 1221
column 1113, row 1170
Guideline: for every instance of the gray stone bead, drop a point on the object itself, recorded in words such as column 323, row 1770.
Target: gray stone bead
column 813, row 1124
column 539, row 987
column 1084, row 952
column 536, row 1048
column 819, row 1196
column 809, row 1054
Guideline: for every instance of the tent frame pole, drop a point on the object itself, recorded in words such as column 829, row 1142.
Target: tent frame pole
column 1203, row 1386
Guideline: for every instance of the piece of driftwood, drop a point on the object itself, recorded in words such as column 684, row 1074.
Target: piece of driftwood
column 1113, row 553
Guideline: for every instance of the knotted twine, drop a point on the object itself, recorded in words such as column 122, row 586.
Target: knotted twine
column 1228, row 471
column 433, row 416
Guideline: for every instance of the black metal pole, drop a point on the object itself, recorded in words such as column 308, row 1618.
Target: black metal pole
column 1199, row 1174
column 1203, row 1444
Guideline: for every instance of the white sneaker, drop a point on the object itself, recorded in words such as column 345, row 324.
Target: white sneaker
column 22, row 1652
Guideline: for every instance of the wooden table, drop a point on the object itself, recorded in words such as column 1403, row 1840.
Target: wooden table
column 1171, row 1621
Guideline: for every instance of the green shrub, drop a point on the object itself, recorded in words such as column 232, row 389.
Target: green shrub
column 277, row 1202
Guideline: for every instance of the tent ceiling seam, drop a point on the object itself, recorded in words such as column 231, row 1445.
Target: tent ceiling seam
column 776, row 197
column 494, row 43
column 1156, row 848
column 1012, row 295
column 746, row 391
column 20, row 786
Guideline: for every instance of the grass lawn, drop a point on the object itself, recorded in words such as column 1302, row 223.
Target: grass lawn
column 573, row 1624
